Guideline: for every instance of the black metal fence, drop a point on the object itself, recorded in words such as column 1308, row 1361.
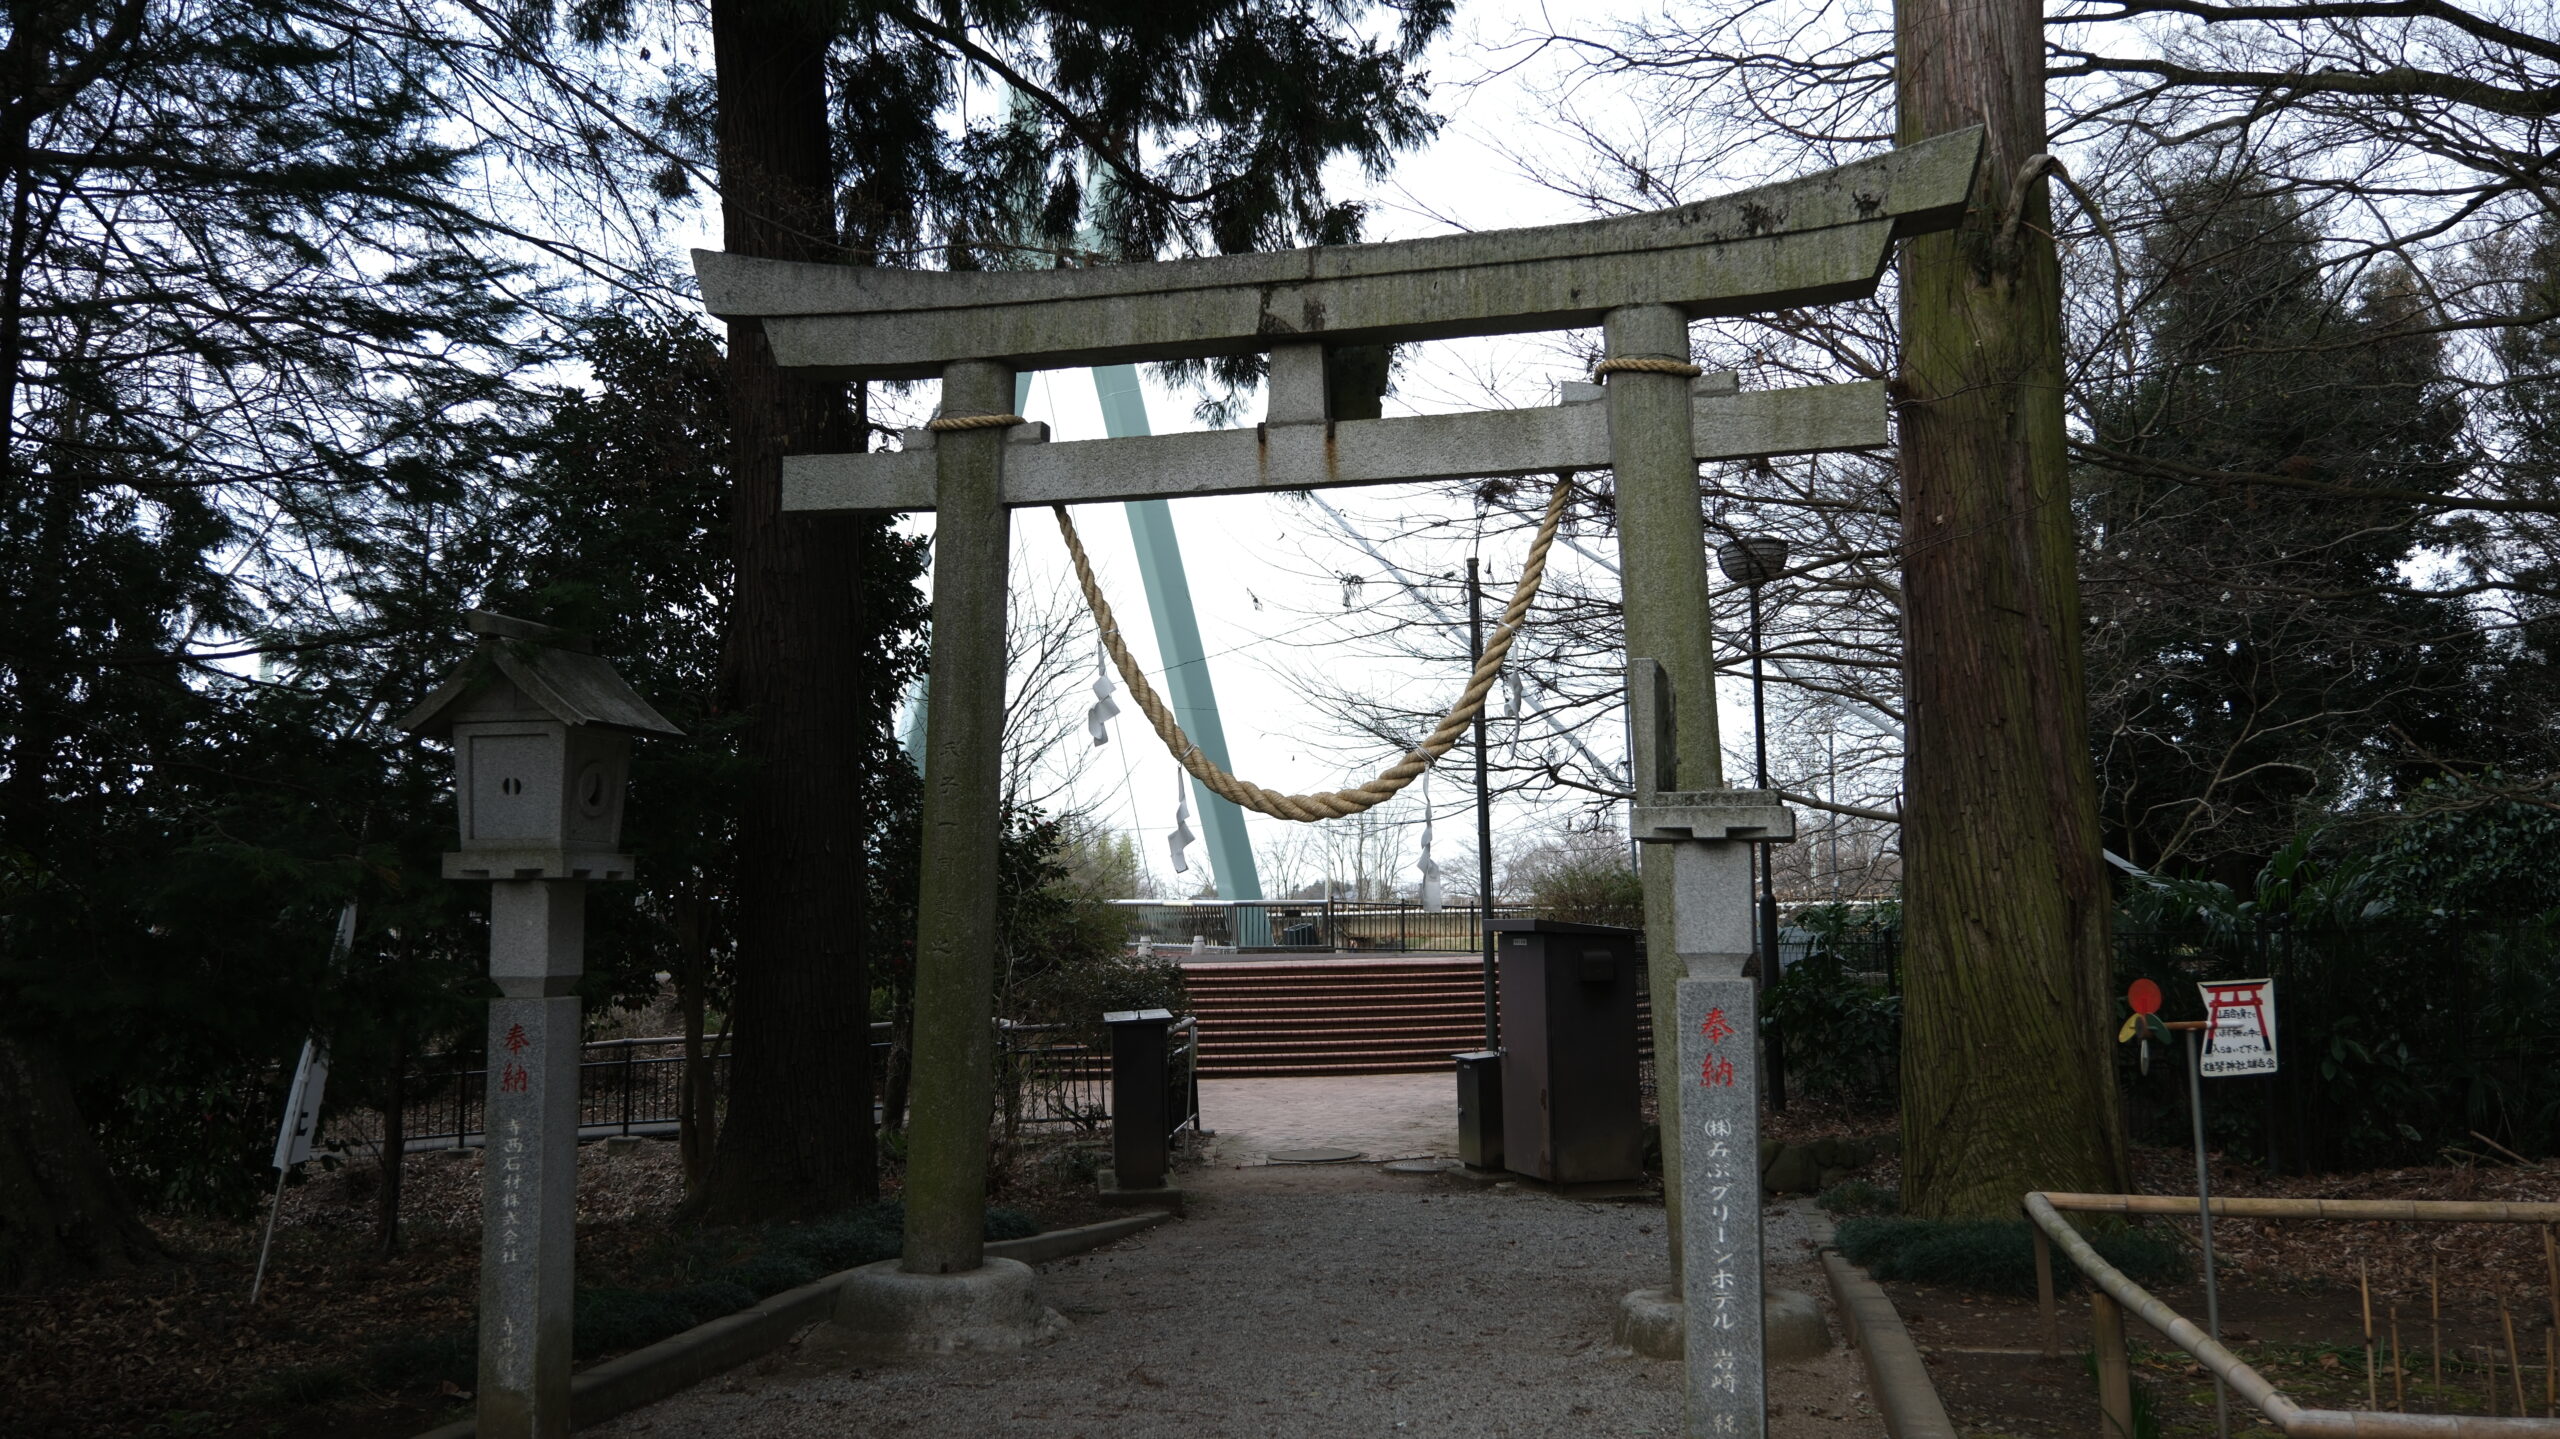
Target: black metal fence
column 1322, row 925
column 625, row 1086
column 2399, row 1041
column 1049, row 1077
column 1057, row 1077
column 1182, row 1078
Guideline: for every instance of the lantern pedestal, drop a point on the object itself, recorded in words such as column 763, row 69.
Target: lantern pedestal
column 529, row 1209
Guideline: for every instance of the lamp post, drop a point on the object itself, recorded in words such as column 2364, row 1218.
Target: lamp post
column 1752, row 562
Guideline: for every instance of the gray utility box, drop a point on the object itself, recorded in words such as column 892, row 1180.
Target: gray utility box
column 1572, row 1106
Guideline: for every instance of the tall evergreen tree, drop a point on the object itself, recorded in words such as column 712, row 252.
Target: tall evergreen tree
column 2258, row 657
column 242, row 317
column 2006, row 918
column 1211, row 121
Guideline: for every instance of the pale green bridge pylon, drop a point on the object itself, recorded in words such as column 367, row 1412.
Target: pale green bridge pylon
column 1186, row 660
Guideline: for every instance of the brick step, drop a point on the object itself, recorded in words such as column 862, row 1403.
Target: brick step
column 1340, row 1015
column 1446, row 984
column 1319, row 1069
column 1367, row 1022
column 1447, row 1041
column 1435, row 1056
column 1359, row 985
column 1217, row 974
column 1350, row 1027
column 1370, row 1018
column 1404, row 1037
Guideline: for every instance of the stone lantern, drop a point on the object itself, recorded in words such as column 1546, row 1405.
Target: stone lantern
column 541, row 733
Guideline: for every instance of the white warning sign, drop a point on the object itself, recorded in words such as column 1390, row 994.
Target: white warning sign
column 2240, row 1037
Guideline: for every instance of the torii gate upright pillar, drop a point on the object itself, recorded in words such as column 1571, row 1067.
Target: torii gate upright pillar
column 1662, row 565
column 954, row 1087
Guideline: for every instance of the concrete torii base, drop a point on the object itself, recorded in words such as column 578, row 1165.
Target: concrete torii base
column 882, row 1311
column 1654, row 1323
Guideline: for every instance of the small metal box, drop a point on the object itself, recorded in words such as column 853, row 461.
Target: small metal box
column 1480, row 1108
column 1572, row 1101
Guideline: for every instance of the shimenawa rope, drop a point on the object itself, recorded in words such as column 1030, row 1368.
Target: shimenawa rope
column 1311, row 807
column 1645, row 365
column 974, row 422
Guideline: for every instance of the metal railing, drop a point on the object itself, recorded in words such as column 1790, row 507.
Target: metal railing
column 1056, row 1076
column 625, row 1086
column 2112, row 1293
column 1182, row 1078
column 1051, row 1075
column 1325, row 925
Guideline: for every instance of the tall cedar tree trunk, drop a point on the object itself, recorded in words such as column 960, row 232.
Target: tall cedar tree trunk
column 2007, row 1083
column 62, row 1216
column 697, row 1121
column 798, row 1140
column 395, row 1143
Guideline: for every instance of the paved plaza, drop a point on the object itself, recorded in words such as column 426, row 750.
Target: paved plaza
column 1382, row 1116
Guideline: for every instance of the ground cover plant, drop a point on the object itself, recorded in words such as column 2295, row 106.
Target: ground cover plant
column 347, row 1344
column 1991, row 1255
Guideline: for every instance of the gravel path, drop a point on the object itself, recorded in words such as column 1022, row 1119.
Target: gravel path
column 1312, row 1301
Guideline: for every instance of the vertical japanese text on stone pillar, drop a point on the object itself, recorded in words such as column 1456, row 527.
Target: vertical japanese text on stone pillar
column 1720, row 1161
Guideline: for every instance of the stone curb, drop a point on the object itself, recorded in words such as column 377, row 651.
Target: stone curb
column 679, row 1361
column 1895, row 1374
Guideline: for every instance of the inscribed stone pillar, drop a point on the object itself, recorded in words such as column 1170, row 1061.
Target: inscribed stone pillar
column 1718, row 1108
column 529, row 1180
column 954, row 1086
column 1662, row 567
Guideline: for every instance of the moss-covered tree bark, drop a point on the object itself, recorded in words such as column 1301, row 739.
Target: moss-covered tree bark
column 62, row 1216
column 2007, row 1084
column 798, row 1139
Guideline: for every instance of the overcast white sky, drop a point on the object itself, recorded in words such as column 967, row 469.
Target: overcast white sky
column 1262, row 567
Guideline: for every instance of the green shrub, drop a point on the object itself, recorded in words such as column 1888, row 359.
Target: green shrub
column 425, row 1360
column 1995, row 1256
column 713, row 1299
column 612, row 1320
column 839, row 1244
column 1591, row 889
column 2146, row 1420
column 1857, row 1196
column 301, row 1388
column 765, row 1275
column 1839, row 1018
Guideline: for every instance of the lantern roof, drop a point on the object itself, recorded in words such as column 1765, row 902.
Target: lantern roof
column 548, row 668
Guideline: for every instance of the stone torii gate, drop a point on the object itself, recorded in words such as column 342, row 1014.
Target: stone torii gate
column 1642, row 278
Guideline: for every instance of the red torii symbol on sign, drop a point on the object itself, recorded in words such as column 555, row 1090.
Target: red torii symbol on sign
column 2252, row 997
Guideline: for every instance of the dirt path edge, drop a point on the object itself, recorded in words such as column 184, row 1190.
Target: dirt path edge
column 1896, row 1376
